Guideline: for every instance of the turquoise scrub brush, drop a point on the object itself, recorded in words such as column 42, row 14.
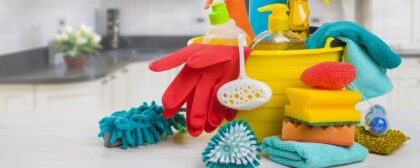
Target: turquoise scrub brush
column 235, row 145
column 138, row 126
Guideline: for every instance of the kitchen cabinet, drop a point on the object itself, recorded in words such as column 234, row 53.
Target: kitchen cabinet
column 396, row 22
column 416, row 21
column 118, row 88
column 71, row 97
column 409, row 88
column 145, row 85
column 409, row 94
column 17, row 98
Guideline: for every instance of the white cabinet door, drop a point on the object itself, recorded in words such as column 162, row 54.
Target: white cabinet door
column 119, row 90
column 146, row 85
column 86, row 96
column 393, row 21
column 416, row 22
column 409, row 94
column 18, row 98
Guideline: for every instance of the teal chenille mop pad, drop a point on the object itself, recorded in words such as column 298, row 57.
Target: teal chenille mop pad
column 380, row 52
column 371, row 79
column 138, row 126
column 311, row 155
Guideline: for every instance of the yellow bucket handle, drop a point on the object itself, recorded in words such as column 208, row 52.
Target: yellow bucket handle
column 329, row 42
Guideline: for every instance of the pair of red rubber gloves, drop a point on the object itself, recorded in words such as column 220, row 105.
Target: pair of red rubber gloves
column 206, row 69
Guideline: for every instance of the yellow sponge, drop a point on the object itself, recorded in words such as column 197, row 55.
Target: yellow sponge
column 323, row 107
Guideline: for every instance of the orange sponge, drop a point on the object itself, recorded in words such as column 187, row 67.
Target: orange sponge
column 335, row 135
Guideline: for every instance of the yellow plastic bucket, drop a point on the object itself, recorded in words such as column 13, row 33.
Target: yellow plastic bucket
column 279, row 70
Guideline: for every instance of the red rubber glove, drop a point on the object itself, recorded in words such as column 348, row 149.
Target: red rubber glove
column 206, row 69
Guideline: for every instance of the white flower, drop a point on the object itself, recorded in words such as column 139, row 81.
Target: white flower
column 64, row 37
column 81, row 41
column 85, row 29
column 96, row 38
column 68, row 30
column 58, row 38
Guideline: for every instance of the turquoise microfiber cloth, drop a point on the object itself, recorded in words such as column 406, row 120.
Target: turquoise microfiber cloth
column 313, row 155
column 371, row 79
column 377, row 49
column 138, row 126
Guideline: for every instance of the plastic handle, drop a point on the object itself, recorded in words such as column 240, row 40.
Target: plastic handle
column 241, row 45
column 329, row 42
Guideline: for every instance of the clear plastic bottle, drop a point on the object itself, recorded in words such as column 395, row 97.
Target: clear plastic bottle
column 278, row 36
column 376, row 121
column 223, row 30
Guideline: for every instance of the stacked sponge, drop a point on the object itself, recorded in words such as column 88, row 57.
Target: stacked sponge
column 320, row 115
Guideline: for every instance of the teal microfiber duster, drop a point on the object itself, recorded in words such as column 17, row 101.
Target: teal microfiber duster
column 138, row 126
column 235, row 145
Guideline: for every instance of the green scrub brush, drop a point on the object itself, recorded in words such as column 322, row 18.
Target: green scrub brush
column 235, row 145
column 138, row 126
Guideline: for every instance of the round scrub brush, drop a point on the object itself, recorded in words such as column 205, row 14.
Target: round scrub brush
column 235, row 145
column 138, row 126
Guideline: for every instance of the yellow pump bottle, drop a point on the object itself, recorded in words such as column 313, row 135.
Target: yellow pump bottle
column 299, row 17
column 278, row 36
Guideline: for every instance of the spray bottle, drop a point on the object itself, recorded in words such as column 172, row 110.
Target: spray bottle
column 223, row 30
column 299, row 17
column 278, row 36
column 237, row 11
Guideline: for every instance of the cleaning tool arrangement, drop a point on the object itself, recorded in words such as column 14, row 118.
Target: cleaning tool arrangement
column 244, row 93
column 300, row 97
column 138, row 126
column 320, row 127
column 234, row 145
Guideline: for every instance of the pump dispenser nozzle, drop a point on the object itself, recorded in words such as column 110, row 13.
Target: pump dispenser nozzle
column 278, row 20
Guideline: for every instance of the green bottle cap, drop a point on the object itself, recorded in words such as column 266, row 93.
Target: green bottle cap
column 219, row 14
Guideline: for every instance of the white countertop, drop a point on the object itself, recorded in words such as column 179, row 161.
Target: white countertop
column 70, row 140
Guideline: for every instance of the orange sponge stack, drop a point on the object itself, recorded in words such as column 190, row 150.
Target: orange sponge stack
column 326, row 113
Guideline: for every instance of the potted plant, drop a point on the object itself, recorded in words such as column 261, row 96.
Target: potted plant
column 76, row 44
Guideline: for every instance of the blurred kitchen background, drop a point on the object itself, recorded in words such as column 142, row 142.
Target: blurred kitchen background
column 135, row 32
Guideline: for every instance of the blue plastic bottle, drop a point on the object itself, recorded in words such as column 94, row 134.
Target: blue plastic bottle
column 259, row 21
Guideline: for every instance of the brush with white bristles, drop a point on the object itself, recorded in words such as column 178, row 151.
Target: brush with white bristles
column 235, row 145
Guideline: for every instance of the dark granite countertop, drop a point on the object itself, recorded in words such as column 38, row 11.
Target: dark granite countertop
column 97, row 66
column 31, row 67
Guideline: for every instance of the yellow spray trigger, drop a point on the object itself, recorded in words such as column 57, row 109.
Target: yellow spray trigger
column 327, row 2
column 278, row 20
